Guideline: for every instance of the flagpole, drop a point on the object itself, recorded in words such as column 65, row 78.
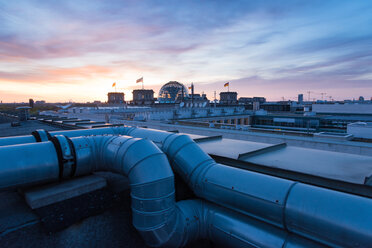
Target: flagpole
column 142, row 83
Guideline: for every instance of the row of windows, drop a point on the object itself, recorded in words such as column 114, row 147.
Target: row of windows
column 142, row 96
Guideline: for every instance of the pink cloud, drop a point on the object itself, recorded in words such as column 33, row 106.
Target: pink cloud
column 49, row 75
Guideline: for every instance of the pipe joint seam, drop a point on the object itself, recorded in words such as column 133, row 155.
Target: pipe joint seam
column 153, row 204
column 285, row 205
column 143, row 160
column 197, row 175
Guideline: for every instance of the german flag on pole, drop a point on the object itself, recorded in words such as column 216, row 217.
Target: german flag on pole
column 139, row 80
column 226, row 84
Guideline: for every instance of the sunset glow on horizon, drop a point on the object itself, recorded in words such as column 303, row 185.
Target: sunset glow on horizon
column 74, row 50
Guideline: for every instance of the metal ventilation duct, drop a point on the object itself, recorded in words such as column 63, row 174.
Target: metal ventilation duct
column 332, row 218
column 41, row 135
column 159, row 219
column 327, row 216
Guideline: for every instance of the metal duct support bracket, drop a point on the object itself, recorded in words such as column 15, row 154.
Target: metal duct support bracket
column 41, row 135
column 66, row 156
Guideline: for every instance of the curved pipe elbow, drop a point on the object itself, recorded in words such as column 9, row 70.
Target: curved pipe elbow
column 151, row 179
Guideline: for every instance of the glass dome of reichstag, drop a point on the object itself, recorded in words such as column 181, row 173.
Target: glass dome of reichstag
column 172, row 92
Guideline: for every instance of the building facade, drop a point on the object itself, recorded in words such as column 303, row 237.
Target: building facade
column 300, row 98
column 259, row 99
column 196, row 100
column 250, row 100
column 245, row 100
column 143, row 97
column 228, row 97
column 115, row 98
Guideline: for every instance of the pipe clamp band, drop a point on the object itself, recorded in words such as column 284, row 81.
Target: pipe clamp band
column 41, row 135
column 66, row 156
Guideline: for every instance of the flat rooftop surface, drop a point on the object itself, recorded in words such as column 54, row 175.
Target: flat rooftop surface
column 230, row 148
column 25, row 128
column 341, row 166
column 334, row 165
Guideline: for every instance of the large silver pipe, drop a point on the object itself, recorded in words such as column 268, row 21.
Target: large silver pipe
column 284, row 203
column 6, row 141
column 250, row 193
column 263, row 197
column 334, row 218
column 151, row 181
column 91, row 131
column 254, row 194
column 160, row 220
column 228, row 228
column 28, row 164
column 42, row 135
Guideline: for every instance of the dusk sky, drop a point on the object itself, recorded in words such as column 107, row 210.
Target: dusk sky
column 75, row 50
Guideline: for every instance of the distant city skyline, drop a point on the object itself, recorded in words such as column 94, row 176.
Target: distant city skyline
column 62, row 50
